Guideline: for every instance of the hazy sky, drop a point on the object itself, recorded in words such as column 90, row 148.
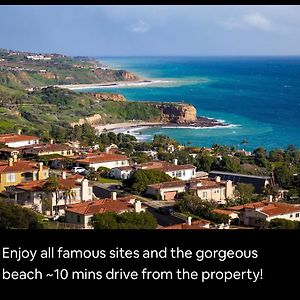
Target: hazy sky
column 152, row 30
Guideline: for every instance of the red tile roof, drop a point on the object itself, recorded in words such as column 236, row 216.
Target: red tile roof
column 13, row 137
column 269, row 208
column 100, row 206
column 20, row 166
column 103, row 157
column 40, row 148
column 196, row 225
column 205, row 184
column 38, row 185
column 223, row 211
column 164, row 166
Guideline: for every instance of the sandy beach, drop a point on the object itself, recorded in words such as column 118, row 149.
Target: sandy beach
column 104, row 84
column 126, row 126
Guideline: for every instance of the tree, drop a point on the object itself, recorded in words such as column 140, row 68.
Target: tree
column 141, row 178
column 276, row 155
column 245, row 192
column 127, row 220
column 52, row 185
column 284, row 175
column 260, row 158
column 140, row 157
column 190, row 203
column 13, row 216
column 230, row 164
column 284, row 224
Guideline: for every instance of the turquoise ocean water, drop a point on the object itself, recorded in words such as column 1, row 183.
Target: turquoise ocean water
column 259, row 96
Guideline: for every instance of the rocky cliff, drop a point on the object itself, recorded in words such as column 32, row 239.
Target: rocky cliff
column 107, row 97
column 177, row 113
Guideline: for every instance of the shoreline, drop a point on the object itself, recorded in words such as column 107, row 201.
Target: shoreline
column 110, row 84
column 201, row 123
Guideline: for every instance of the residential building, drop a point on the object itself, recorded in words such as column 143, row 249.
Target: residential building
column 182, row 172
column 48, row 149
column 190, row 225
column 14, row 171
column 74, row 189
column 14, row 140
column 106, row 160
column 231, row 214
column 259, row 182
column 38, row 57
column 82, row 213
column 206, row 189
column 254, row 214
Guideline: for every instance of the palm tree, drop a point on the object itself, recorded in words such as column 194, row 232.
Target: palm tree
column 52, row 185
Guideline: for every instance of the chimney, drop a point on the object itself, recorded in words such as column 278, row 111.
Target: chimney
column 40, row 171
column 114, row 195
column 189, row 221
column 138, row 206
column 270, row 198
column 51, row 141
column 15, row 158
column 107, row 149
column 175, row 161
column 10, row 161
column 84, row 190
column 218, row 179
column 64, row 175
column 40, row 166
column 19, row 131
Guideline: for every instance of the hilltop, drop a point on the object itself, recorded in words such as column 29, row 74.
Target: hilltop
column 30, row 70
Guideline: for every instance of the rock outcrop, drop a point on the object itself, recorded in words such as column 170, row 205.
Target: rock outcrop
column 177, row 113
column 92, row 120
column 108, row 97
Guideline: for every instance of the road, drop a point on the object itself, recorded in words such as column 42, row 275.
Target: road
column 163, row 219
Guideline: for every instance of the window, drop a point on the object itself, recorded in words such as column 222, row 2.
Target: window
column 62, row 152
column 204, row 195
column 45, row 173
column 78, row 218
column 178, row 174
column 183, row 173
column 297, row 215
column 68, row 152
column 173, row 174
column 11, row 177
column 291, row 215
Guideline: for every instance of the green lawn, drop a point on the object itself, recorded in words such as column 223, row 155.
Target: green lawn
column 109, row 180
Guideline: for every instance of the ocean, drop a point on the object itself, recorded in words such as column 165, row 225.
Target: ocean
column 258, row 96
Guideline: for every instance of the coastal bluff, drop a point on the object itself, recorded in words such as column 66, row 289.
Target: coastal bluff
column 177, row 113
column 107, row 97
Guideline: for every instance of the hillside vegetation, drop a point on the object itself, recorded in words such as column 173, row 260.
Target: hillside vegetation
column 48, row 110
column 17, row 70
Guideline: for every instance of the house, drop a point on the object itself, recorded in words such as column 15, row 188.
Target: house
column 14, row 171
column 106, row 160
column 259, row 182
column 254, row 214
column 6, row 152
column 74, row 189
column 48, row 149
column 206, row 189
column 190, row 225
column 14, row 140
column 183, row 172
column 231, row 214
column 82, row 213
column 38, row 57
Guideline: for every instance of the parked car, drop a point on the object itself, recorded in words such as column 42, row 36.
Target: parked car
column 79, row 170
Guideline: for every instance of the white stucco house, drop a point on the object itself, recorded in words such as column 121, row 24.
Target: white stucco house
column 106, row 160
column 14, row 140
